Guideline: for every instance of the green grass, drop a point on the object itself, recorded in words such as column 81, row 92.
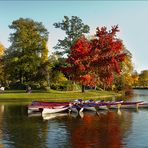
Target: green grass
column 52, row 95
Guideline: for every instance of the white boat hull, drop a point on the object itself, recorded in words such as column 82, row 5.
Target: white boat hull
column 54, row 110
column 90, row 108
column 143, row 105
column 134, row 106
column 103, row 107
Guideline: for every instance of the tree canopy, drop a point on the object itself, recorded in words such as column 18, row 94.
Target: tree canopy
column 23, row 57
column 143, row 78
column 74, row 28
column 95, row 61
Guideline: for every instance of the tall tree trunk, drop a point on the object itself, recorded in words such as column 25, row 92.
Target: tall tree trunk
column 48, row 80
column 83, row 88
column 21, row 77
column 104, row 87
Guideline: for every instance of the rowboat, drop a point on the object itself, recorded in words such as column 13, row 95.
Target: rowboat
column 90, row 108
column 131, row 105
column 79, row 105
column 89, row 105
column 55, row 109
column 93, row 105
column 143, row 105
column 76, row 108
column 42, row 103
column 103, row 105
column 38, row 106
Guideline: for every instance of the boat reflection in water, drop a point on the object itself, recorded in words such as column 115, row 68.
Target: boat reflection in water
column 52, row 116
column 110, row 128
column 103, row 129
column 91, row 129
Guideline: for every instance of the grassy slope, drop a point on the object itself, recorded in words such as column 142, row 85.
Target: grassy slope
column 21, row 96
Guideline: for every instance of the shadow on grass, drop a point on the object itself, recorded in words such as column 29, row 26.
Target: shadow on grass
column 24, row 91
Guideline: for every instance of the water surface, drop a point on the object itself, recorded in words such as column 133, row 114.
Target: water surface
column 105, row 129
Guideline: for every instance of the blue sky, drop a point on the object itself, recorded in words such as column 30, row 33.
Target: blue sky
column 131, row 16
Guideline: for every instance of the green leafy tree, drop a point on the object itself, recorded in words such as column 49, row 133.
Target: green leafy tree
column 45, row 67
column 143, row 78
column 24, row 56
column 135, row 77
column 74, row 28
column 124, row 80
column 56, row 61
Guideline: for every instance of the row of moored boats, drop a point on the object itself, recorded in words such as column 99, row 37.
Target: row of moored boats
column 80, row 105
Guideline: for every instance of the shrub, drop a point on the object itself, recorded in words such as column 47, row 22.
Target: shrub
column 65, row 86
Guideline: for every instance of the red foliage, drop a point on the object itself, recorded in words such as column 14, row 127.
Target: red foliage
column 85, row 78
column 92, row 61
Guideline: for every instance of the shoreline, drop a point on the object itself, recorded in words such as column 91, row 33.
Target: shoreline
column 52, row 95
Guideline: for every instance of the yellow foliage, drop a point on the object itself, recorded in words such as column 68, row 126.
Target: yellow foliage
column 2, row 48
column 62, row 78
column 45, row 52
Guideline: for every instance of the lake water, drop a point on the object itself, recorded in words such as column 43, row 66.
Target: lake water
column 107, row 129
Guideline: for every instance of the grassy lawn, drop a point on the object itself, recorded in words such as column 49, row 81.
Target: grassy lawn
column 52, row 95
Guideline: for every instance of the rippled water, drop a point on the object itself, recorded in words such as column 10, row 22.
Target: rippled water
column 106, row 129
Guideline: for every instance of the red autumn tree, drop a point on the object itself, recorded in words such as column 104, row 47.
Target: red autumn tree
column 95, row 61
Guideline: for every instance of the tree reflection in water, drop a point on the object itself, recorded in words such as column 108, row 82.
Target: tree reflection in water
column 85, row 130
column 101, row 131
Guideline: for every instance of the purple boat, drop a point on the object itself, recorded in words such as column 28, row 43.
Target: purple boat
column 131, row 104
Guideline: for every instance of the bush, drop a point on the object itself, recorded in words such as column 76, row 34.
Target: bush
column 17, row 86
column 66, row 86
column 58, row 86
